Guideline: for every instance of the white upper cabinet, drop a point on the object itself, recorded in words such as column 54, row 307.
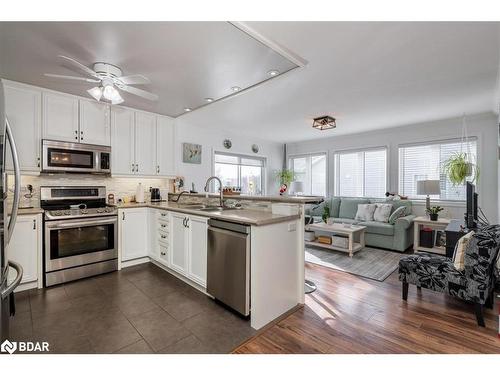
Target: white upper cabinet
column 165, row 146
column 145, row 142
column 94, row 123
column 60, row 117
column 23, row 108
column 122, row 141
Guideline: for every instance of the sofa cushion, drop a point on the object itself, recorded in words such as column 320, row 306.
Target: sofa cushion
column 341, row 220
column 365, row 212
column 402, row 203
column 349, row 207
column 335, row 207
column 377, row 227
column 382, row 212
column 396, row 214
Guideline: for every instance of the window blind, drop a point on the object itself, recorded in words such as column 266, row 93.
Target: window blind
column 361, row 173
column 425, row 162
column 311, row 170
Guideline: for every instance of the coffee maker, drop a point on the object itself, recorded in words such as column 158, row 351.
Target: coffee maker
column 155, row 194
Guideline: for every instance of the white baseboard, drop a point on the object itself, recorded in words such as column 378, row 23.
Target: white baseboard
column 134, row 262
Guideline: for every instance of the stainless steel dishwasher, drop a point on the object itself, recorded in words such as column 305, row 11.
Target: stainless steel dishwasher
column 228, row 264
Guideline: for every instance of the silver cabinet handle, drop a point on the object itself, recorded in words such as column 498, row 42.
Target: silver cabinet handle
column 133, row 169
column 184, row 222
column 123, row 215
column 163, row 214
column 38, row 161
column 162, row 236
column 17, row 181
column 187, row 222
column 157, row 169
column 34, row 223
column 137, row 167
column 163, row 253
column 163, row 225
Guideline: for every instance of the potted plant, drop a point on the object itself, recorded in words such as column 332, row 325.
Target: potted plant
column 326, row 213
column 285, row 176
column 458, row 168
column 434, row 212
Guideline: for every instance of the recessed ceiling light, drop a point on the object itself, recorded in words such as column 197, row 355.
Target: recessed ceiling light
column 187, row 109
column 235, row 88
column 273, row 73
column 209, row 100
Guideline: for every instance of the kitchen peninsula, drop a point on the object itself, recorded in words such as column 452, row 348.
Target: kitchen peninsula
column 178, row 243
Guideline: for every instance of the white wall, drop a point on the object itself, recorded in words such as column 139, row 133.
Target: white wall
column 211, row 141
column 483, row 126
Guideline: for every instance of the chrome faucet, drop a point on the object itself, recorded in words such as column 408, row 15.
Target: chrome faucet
column 221, row 197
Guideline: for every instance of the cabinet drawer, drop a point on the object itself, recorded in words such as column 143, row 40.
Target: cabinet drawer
column 163, row 236
column 163, row 254
column 163, row 226
column 162, row 215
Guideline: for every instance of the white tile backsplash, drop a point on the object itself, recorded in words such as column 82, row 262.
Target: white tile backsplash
column 119, row 186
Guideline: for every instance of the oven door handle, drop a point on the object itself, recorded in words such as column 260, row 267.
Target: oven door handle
column 76, row 224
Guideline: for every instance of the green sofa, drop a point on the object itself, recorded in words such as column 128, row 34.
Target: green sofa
column 398, row 236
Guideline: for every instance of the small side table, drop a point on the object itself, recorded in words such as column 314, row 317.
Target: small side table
column 423, row 221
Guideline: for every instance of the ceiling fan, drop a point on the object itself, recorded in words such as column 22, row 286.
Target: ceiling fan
column 108, row 78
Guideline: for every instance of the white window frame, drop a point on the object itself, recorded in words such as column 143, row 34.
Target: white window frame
column 452, row 202
column 336, row 161
column 310, row 155
column 245, row 156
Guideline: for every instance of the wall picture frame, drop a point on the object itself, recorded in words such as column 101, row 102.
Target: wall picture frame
column 191, row 153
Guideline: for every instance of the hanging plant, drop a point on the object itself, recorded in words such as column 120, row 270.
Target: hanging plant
column 285, row 176
column 458, row 168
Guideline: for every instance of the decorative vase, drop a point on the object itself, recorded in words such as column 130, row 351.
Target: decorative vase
column 433, row 217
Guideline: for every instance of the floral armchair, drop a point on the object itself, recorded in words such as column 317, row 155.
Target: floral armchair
column 476, row 283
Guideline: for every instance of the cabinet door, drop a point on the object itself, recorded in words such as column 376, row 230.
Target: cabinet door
column 178, row 243
column 197, row 253
column 133, row 232
column 165, row 146
column 23, row 108
column 122, row 141
column 94, row 123
column 23, row 247
column 145, row 143
column 60, row 117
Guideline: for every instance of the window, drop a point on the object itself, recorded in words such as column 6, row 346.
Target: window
column 425, row 162
column 361, row 173
column 311, row 170
column 245, row 172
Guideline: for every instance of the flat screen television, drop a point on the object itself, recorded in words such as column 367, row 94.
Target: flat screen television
column 471, row 206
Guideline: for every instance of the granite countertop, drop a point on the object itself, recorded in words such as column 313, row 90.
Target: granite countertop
column 30, row 211
column 244, row 215
column 300, row 199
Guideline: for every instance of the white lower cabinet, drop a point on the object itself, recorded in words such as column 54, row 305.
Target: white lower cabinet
column 178, row 242
column 197, row 251
column 133, row 233
column 188, row 240
column 25, row 248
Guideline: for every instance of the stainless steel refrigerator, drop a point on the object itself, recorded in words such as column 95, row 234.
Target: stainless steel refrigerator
column 8, row 218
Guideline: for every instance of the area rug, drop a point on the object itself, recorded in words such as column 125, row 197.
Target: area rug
column 375, row 264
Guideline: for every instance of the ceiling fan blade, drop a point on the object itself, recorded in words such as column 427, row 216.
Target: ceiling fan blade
column 89, row 80
column 80, row 66
column 138, row 92
column 135, row 79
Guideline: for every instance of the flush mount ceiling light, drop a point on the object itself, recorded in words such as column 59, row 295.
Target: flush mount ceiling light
column 235, row 88
column 324, row 123
column 273, row 73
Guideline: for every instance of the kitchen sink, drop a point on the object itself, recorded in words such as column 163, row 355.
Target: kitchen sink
column 193, row 206
column 217, row 208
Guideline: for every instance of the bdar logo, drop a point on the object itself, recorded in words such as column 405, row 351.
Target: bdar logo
column 8, row 347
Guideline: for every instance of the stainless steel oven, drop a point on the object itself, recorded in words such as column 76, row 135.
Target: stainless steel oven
column 80, row 248
column 75, row 157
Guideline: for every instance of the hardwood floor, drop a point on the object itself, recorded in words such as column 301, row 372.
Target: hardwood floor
column 350, row 314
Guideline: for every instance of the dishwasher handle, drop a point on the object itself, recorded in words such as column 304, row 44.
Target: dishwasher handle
column 227, row 232
column 229, row 226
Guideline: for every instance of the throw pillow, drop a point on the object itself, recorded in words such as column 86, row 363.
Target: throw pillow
column 365, row 212
column 398, row 212
column 459, row 254
column 382, row 212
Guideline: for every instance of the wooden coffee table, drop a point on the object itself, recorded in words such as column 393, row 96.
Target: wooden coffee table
column 337, row 228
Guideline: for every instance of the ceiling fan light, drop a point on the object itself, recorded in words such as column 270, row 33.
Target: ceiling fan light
column 96, row 93
column 110, row 92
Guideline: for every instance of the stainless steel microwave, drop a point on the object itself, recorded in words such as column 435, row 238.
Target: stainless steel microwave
column 75, row 157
